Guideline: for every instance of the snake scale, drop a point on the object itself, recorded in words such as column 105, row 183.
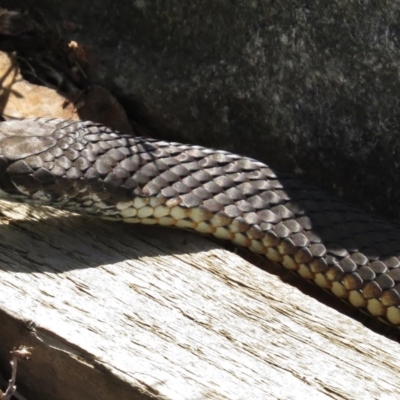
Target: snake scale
column 88, row 168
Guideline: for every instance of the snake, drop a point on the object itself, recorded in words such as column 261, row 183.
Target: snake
column 89, row 168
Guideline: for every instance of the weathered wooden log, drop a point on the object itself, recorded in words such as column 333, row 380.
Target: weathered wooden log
column 124, row 311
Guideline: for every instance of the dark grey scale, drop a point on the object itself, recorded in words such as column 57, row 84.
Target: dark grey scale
column 202, row 176
column 153, row 169
column 34, row 162
column 248, row 165
column 121, row 172
column 65, row 142
column 247, row 189
column 180, row 187
column 104, row 166
column 19, row 167
column 385, row 282
column 208, row 163
column 169, row 176
column 224, row 181
column 255, row 175
column 149, row 190
column 141, row 178
column 212, row 187
column 180, row 171
column 196, row 152
column 145, row 158
column 112, row 182
column 169, row 192
column 202, row 193
column 170, row 162
column 119, row 143
column 244, row 206
column 276, row 184
column 348, row 265
column 283, row 195
column 191, row 182
column 232, row 168
column 213, row 205
column 104, row 146
column 46, row 156
column 116, row 154
column 337, row 250
column 267, row 172
column 257, row 202
column 172, row 150
column 270, row 197
column 191, row 166
column 235, row 194
column 299, row 239
column 380, row 267
column 48, row 165
column 305, row 222
column 281, row 230
column 71, row 154
column 184, row 158
column 359, row 259
column 222, row 158
column 159, row 182
column 317, row 249
column 268, row 216
column 232, row 211
column 266, row 226
column 74, row 173
column 130, row 184
column 125, row 151
column 190, row 200
column 43, row 176
column 132, row 163
column 57, row 171
column 216, row 171
column 89, row 155
column 391, row 262
column 223, row 199
column 95, row 148
column 78, row 146
column 262, row 185
column 395, row 274
column 82, row 164
column 293, row 225
column 295, row 208
column 282, row 212
column 238, row 177
column 56, row 151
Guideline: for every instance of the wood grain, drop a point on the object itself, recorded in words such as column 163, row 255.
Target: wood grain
column 124, row 311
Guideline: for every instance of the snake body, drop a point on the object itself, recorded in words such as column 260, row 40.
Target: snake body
column 88, row 168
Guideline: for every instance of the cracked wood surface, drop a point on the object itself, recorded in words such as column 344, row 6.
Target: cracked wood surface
column 124, row 311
